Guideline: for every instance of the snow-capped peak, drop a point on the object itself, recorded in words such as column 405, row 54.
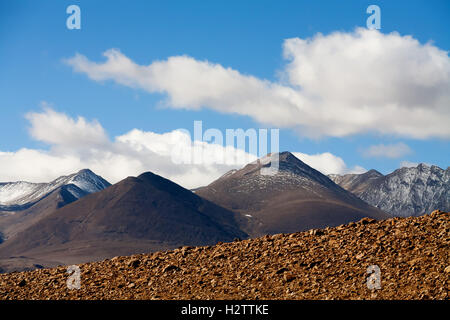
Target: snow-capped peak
column 22, row 194
column 88, row 181
column 406, row 191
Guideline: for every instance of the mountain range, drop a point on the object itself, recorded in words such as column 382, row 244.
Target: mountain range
column 405, row 192
column 81, row 217
column 138, row 214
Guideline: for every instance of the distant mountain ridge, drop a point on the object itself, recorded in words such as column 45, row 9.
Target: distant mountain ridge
column 24, row 203
column 356, row 183
column 405, row 192
column 16, row 196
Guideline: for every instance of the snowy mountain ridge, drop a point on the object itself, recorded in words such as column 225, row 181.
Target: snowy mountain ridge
column 291, row 171
column 20, row 195
column 409, row 191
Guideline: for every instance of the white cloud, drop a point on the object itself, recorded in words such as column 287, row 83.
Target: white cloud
column 36, row 165
column 333, row 85
column 392, row 151
column 77, row 143
column 327, row 163
column 60, row 130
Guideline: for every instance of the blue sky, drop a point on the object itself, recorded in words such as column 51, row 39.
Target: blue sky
column 246, row 36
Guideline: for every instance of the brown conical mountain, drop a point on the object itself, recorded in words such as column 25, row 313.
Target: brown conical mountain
column 140, row 214
column 296, row 198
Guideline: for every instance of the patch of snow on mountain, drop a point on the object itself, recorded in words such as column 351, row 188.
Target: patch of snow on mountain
column 405, row 192
column 11, row 192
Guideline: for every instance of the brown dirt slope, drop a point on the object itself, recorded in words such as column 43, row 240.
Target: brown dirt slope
column 412, row 254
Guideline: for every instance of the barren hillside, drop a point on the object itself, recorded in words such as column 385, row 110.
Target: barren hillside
column 412, row 254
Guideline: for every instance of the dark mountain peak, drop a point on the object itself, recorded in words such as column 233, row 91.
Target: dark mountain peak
column 287, row 156
column 423, row 166
column 151, row 177
column 373, row 173
column 166, row 185
column 284, row 157
column 286, row 161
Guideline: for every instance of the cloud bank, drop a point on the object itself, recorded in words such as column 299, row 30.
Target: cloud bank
column 75, row 144
column 336, row 85
column 78, row 143
column 328, row 163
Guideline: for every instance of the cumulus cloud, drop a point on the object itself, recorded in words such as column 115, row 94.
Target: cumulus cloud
column 336, row 85
column 392, row 151
column 328, row 163
column 78, row 143
column 36, row 165
column 75, row 144
column 59, row 130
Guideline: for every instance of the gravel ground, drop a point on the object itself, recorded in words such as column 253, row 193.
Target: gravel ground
column 412, row 255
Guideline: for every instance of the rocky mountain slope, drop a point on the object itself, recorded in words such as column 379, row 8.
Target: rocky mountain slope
column 404, row 192
column 296, row 198
column 136, row 215
column 412, row 255
column 356, row 183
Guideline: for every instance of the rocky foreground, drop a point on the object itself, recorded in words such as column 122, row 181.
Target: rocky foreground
column 412, row 254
